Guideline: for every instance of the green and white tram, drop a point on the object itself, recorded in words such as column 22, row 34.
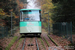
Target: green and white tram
column 30, row 21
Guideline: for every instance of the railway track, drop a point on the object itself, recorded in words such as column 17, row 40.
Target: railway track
column 50, row 44
column 30, row 44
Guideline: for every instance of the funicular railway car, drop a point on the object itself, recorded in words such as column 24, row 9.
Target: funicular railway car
column 30, row 21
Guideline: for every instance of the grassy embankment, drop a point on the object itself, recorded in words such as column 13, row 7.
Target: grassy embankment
column 11, row 43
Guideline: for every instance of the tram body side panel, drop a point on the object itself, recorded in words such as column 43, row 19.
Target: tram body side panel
column 30, row 27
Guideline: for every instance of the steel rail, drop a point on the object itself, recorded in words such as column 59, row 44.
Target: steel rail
column 24, row 44
column 37, row 44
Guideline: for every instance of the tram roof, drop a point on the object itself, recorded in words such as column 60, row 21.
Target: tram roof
column 29, row 9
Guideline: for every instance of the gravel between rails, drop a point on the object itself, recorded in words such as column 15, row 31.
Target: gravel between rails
column 45, row 44
column 41, row 44
column 19, row 46
column 30, row 41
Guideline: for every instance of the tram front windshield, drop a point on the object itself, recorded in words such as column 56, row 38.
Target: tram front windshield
column 30, row 15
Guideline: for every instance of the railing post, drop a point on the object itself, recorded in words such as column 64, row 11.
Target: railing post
column 71, row 31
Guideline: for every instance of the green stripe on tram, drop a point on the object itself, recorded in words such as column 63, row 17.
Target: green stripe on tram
column 24, row 24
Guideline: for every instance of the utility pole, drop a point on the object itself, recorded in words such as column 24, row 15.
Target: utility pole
column 11, row 20
column 48, row 24
column 25, row 3
column 11, row 23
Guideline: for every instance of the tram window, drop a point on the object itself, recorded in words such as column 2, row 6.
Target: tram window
column 31, row 15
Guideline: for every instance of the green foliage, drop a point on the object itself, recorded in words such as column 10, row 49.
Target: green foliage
column 7, row 5
column 71, row 44
column 11, row 43
column 1, row 47
column 73, row 32
column 46, row 42
column 18, row 43
column 59, row 10
column 45, row 25
column 42, row 42
column 52, row 40
column 24, row 1
column 64, row 10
